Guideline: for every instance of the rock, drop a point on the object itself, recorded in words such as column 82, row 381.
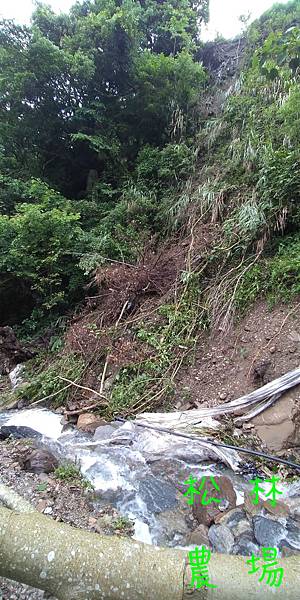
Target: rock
column 279, row 510
column 48, row 510
column 293, row 505
column 198, row 537
column 250, row 508
column 88, row 422
column 246, row 547
column 206, row 515
column 237, row 522
column 221, row 538
column 172, row 523
column 103, row 433
column 39, row 461
column 158, row 494
column 293, row 534
column 268, row 533
column 277, row 426
column 42, row 505
column 18, row 432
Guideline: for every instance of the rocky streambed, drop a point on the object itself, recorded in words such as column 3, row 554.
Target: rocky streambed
column 139, row 475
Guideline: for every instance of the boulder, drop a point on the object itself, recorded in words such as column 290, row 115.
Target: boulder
column 279, row 510
column 198, row 537
column 293, row 534
column 267, row 532
column 246, row 547
column 237, row 522
column 278, row 426
column 39, row 461
column 206, row 515
column 18, row 432
column 172, row 523
column 89, row 422
column 250, row 508
column 221, row 538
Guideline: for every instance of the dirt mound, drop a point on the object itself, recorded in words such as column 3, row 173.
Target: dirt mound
column 262, row 346
column 127, row 293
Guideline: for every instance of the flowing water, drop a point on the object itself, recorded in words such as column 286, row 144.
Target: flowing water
column 137, row 470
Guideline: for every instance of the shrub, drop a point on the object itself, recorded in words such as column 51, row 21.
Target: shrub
column 276, row 278
column 38, row 246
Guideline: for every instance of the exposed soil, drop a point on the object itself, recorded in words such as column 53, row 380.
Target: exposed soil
column 263, row 346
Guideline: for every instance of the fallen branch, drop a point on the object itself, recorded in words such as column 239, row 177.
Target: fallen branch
column 80, row 411
column 73, row 564
column 103, row 376
column 51, row 395
column 82, row 387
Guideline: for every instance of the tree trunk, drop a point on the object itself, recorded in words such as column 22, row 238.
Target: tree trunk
column 73, row 564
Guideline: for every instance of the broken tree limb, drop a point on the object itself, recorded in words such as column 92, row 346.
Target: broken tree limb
column 74, row 564
column 82, row 387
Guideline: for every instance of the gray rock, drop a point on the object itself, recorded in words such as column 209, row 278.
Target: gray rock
column 172, row 523
column 267, row 532
column 246, row 547
column 103, row 433
column 237, row 522
column 293, row 534
column 233, row 517
column 294, row 507
column 221, row 538
column 158, row 495
column 18, row 432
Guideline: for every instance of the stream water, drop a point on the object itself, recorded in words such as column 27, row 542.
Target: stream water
column 138, row 471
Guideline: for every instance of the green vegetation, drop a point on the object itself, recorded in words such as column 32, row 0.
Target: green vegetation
column 96, row 106
column 124, row 525
column 107, row 154
column 170, row 341
column 45, row 378
column 71, row 473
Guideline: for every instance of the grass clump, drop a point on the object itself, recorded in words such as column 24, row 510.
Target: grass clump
column 275, row 278
column 45, row 378
column 70, row 473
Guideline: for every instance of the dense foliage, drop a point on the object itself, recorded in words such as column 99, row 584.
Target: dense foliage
column 95, row 106
column 112, row 135
column 104, row 142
